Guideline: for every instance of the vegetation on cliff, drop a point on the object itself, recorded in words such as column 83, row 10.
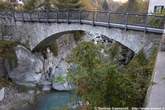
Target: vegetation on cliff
column 7, row 52
column 7, row 57
column 5, row 5
column 107, row 84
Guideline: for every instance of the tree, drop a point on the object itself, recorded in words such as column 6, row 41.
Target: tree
column 99, row 83
column 105, row 5
column 67, row 4
column 48, row 4
column 31, row 4
column 4, row 5
column 86, row 55
column 132, row 5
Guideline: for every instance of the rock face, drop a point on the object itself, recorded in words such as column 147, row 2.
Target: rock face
column 29, row 68
column 33, row 69
column 57, row 67
column 15, row 99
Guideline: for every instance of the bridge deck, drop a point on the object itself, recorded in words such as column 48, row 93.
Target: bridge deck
column 132, row 21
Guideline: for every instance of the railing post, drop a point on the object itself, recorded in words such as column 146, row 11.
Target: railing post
column 126, row 20
column 30, row 16
column 23, row 17
column 47, row 15
column 93, row 18
column 14, row 16
column 109, row 19
column 57, row 16
column 145, row 23
column 80, row 17
column 38, row 14
column 68, row 16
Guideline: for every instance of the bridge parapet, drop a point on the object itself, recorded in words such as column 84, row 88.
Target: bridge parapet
column 133, row 21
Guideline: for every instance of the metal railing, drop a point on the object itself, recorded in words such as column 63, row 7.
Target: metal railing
column 141, row 22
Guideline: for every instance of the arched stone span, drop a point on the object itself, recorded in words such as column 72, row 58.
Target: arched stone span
column 37, row 32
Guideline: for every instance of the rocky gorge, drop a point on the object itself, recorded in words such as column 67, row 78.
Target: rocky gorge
column 46, row 67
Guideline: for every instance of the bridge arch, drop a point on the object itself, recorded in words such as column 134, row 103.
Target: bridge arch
column 38, row 32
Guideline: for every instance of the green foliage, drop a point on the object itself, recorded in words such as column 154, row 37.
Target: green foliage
column 134, row 6
column 139, row 71
column 4, row 5
column 113, row 52
column 47, row 4
column 86, row 55
column 68, row 4
column 157, row 21
column 30, row 5
column 106, row 85
column 78, row 35
column 105, row 5
column 59, row 79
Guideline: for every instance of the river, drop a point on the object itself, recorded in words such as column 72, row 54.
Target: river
column 56, row 100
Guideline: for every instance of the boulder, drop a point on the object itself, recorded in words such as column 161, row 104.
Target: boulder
column 29, row 68
column 62, row 87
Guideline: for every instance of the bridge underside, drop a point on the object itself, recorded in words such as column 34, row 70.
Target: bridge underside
column 34, row 33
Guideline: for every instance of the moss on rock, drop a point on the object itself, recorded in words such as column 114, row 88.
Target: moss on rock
column 7, row 53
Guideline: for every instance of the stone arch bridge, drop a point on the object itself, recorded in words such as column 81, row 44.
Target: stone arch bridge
column 131, row 30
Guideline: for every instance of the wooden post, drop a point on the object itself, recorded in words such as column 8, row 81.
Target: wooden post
column 145, row 22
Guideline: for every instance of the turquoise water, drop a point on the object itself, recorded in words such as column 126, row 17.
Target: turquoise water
column 56, row 101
